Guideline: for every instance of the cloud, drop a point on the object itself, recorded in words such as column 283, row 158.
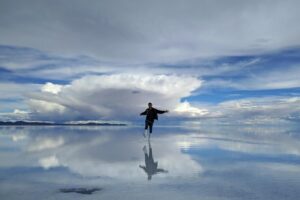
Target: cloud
column 143, row 32
column 185, row 108
column 282, row 77
column 15, row 115
column 99, row 153
column 264, row 110
column 116, row 96
column 49, row 162
column 123, row 96
column 19, row 58
column 29, row 65
column 92, row 62
column 45, row 106
column 11, row 90
column 51, row 88
column 255, row 152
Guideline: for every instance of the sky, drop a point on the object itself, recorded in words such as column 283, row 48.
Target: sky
column 221, row 61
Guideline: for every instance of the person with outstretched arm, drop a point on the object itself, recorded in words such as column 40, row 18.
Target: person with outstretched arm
column 151, row 167
column 151, row 115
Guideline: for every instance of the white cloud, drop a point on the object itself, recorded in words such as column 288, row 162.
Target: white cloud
column 264, row 110
column 15, row 115
column 40, row 106
column 124, row 96
column 49, row 162
column 116, row 96
column 12, row 106
column 21, row 112
column 51, row 88
column 185, row 108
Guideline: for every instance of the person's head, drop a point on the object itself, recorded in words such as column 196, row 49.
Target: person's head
column 150, row 105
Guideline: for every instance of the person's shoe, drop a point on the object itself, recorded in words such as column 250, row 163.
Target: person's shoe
column 145, row 133
column 145, row 149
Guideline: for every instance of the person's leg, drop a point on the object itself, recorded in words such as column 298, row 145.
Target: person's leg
column 146, row 128
column 150, row 153
column 145, row 149
column 146, row 158
column 150, row 127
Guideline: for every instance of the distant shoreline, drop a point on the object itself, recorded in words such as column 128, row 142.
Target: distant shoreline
column 24, row 123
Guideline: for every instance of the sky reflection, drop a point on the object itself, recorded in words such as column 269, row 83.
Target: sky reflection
column 221, row 163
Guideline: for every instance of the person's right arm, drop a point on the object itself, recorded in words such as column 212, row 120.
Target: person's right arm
column 144, row 113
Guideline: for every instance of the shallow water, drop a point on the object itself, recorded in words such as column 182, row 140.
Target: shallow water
column 228, row 162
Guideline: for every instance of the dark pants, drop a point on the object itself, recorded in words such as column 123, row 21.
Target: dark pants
column 149, row 124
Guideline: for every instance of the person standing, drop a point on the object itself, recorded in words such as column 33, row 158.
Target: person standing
column 151, row 115
column 151, row 167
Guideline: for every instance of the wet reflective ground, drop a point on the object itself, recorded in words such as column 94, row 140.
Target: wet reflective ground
column 231, row 162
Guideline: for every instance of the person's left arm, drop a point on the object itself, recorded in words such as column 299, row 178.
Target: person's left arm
column 162, row 171
column 161, row 111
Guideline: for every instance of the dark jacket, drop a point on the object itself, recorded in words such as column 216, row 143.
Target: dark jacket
column 151, row 114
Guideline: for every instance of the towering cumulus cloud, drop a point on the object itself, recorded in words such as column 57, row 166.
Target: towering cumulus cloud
column 116, row 96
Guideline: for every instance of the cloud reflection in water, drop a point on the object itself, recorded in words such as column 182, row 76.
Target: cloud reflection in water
column 207, row 162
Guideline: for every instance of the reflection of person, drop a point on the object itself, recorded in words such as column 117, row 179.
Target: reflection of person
column 151, row 115
column 150, row 167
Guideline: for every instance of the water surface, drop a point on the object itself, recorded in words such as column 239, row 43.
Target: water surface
column 228, row 162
